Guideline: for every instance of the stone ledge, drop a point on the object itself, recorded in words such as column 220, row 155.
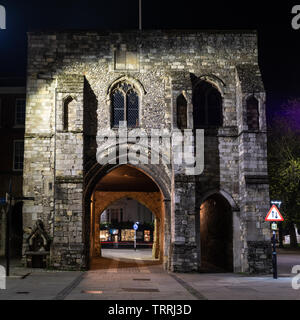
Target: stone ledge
column 256, row 179
column 70, row 179
column 38, row 135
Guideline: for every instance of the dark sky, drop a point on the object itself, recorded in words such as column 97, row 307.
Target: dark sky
column 279, row 44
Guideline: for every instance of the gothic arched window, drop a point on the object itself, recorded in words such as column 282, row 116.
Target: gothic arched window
column 181, row 112
column 125, row 105
column 252, row 113
column 207, row 105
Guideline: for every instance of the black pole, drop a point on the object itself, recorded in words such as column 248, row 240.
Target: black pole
column 274, row 256
column 8, row 224
column 7, row 244
column 140, row 15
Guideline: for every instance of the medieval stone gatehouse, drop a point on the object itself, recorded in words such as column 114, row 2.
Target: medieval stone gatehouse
column 80, row 83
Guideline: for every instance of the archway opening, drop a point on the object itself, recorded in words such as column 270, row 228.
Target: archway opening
column 118, row 238
column 216, row 235
column 124, row 196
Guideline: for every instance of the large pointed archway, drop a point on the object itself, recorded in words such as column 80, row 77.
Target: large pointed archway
column 126, row 182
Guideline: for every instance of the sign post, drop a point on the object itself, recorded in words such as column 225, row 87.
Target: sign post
column 274, row 216
column 278, row 204
column 274, row 254
column 135, row 227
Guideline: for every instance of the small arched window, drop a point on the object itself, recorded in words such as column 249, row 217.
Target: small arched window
column 252, row 113
column 125, row 105
column 181, row 112
column 207, row 105
column 66, row 111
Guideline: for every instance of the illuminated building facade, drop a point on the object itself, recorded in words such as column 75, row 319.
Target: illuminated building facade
column 80, row 83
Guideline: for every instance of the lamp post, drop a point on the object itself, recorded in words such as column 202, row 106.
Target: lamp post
column 135, row 227
column 274, row 254
column 8, row 224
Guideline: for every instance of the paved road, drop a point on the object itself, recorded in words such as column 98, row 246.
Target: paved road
column 139, row 254
column 146, row 280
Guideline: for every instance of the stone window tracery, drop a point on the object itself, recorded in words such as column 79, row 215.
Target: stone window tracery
column 125, row 105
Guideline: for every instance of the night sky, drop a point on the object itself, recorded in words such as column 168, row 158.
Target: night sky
column 279, row 44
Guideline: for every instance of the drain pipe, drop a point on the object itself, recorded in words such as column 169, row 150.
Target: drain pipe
column 54, row 160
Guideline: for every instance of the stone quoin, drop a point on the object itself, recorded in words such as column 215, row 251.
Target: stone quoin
column 176, row 79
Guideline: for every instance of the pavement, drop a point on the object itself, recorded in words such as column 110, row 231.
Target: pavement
column 126, row 276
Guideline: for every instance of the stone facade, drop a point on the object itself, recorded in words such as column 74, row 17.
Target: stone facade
column 74, row 73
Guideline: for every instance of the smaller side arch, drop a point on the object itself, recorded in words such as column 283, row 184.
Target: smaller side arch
column 232, row 234
column 216, row 234
column 221, row 192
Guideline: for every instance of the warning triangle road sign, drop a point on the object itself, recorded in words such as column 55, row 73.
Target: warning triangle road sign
column 274, row 214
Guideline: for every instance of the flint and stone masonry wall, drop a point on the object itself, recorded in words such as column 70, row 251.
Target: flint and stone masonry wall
column 81, row 68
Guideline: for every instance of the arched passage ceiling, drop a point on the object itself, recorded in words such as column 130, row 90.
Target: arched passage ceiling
column 126, row 178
